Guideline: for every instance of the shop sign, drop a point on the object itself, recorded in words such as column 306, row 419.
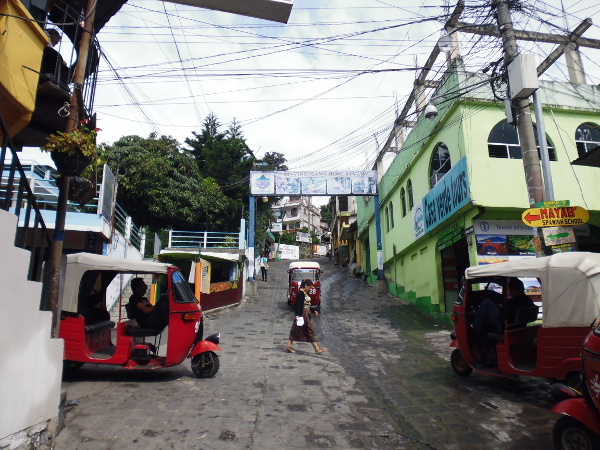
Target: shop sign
column 504, row 227
column 446, row 197
column 555, row 217
column 558, row 235
column 553, row 204
column 303, row 237
column 450, row 236
column 277, row 227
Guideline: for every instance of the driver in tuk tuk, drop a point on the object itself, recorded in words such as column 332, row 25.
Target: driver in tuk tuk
column 146, row 314
column 490, row 318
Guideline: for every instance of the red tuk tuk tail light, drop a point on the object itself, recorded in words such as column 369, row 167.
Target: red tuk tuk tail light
column 454, row 317
column 190, row 317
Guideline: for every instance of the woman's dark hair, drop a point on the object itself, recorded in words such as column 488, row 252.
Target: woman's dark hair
column 305, row 283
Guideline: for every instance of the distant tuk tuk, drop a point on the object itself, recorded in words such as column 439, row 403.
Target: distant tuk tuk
column 92, row 336
column 569, row 284
column 302, row 270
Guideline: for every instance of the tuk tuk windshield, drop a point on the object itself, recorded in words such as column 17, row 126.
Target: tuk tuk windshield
column 303, row 274
column 182, row 293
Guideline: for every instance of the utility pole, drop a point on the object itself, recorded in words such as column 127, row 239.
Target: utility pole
column 531, row 160
column 51, row 296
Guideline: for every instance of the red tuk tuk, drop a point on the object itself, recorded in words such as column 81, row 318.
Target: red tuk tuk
column 302, row 270
column 91, row 337
column 579, row 428
column 551, row 349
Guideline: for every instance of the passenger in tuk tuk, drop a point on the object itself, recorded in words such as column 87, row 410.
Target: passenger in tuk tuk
column 150, row 316
column 490, row 318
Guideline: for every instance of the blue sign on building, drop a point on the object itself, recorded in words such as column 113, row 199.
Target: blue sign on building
column 448, row 196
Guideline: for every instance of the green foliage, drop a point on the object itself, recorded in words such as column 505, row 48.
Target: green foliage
column 81, row 139
column 160, row 185
column 275, row 161
column 326, row 214
column 288, row 238
column 227, row 159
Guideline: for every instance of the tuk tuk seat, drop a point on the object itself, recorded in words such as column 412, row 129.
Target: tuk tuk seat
column 97, row 327
column 525, row 315
column 143, row 332
column 522, row 317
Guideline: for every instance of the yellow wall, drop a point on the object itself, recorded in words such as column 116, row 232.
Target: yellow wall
column 21, row 45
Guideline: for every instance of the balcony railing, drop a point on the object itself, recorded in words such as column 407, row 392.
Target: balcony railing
column 17, row 197
column 205, row 239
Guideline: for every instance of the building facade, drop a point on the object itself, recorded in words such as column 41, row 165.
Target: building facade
column 454, row 195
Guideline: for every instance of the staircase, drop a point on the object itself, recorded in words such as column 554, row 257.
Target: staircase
column 31, row 368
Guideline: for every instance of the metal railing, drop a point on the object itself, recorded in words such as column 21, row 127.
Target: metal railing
column 204, row 239
column 17, row 197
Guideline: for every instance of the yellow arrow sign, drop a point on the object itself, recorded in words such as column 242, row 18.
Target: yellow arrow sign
column 555, row 217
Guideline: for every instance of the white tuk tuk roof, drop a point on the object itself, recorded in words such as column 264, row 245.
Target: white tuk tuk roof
column 79, row 263
column 304, row 265
column 570, row 285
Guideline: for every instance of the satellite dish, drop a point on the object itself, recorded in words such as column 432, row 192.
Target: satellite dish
column 445, row 43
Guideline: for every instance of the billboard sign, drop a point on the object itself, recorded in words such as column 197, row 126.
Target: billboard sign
column 313, row 183
column 444, row 199
column 303, row 237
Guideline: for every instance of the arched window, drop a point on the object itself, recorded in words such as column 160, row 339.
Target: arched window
column 587, row 137
column 403, row 200
column 440, row 164
column 411, row 203
column 297, row 225
column 503, row 142
column 387, row 219
column 391, row 215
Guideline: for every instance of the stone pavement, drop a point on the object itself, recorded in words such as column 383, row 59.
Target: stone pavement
column 385, row 382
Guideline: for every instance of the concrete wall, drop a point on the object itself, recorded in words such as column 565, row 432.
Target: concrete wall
column 31, row 368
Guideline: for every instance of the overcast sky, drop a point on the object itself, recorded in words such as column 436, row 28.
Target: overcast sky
column 323, row 89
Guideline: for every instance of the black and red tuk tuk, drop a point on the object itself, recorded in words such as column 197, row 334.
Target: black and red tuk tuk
column 90, row 336
column 303, row 270
column 548, row 348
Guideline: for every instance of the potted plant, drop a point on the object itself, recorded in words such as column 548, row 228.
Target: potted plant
column 72, row 152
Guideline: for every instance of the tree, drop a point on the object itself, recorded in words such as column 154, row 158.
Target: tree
column 226, row 158
column 275, row 161
column 160, row 185
column 326, row 214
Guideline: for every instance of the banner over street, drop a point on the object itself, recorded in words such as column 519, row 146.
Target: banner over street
column 313, row 183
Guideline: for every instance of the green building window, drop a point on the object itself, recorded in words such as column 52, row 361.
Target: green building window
column 503, row 142
column 387, row 219
column 410, row 195
column 587, row 137
column 403, row 201
column 440, row 164
column 391, row 215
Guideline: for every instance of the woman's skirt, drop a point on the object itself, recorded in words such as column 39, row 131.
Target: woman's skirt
column 305, row 333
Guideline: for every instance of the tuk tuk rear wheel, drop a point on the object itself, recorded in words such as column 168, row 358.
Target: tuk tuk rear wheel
column 458, row 363
column 570, row 434
column 205, row 365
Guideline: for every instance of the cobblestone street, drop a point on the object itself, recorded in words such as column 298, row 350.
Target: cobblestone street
column 384, row 382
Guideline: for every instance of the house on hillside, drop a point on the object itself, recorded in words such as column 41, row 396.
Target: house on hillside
column 454, row 194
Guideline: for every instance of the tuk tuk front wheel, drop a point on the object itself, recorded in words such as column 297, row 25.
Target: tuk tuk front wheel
column 205, row 365
column 570, row 434
column 458, row 363
column 70, row 366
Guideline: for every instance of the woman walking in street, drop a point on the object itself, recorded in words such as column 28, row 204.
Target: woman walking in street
column 264, row 265
column 302, row 330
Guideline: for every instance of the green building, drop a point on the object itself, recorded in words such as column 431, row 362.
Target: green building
column 454, row 195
